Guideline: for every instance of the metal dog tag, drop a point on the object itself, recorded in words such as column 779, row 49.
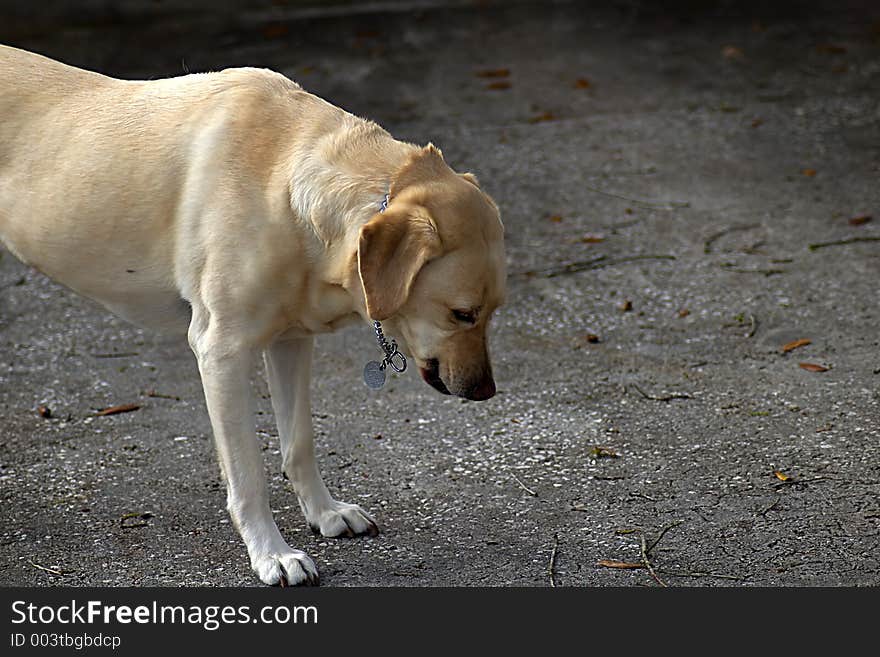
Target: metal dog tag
column 374, row 375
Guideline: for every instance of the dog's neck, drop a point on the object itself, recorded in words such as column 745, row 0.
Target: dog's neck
column 338, row 187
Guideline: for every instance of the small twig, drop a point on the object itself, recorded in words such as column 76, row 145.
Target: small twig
column 671, row 525
column 645, row 551
column 48, row 570
column 141, row 518
column 524, row 487
column 795, row 482
column 738, row 270
column 586, row 265
column 753, row 326
column 647, row 562
column 707, row 245
column 116, row 410
column 552, row 567
column 646, row 497
column 122, row 354
column 715, row 575
column 771, row 507
column 656, row 205
column 664, row 398
column 622, row 565
column 753, row 249
column 851, row 240
column 153, row 393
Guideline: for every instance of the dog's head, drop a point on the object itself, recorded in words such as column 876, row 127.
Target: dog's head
column 432, row 268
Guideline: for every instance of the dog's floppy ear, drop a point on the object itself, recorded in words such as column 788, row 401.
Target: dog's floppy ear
column 392, row 249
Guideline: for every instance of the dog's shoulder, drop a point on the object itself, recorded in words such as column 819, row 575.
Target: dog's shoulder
column 255, row 80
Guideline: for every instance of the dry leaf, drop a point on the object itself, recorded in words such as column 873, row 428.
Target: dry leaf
column 592, row 239
column 44, row 411
column 791, row 346
column 275, row 30
column 809, row 173
column 781, row 476
column 860, row 220
column 830, row 49
column 812, row 367
column 757, row 122
column 590, row 338
column 626, row 306
column 123, row 408
column 599, row 452
column 497, row 86
column 684, row 312
column 610, row 563
column 732, row 52
column 544, row 116
column 581, row 83
column 494, row 73
column 555, row 218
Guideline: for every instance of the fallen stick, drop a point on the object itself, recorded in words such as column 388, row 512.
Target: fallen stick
column 715, row 575
column 665, row 398
column 48, row 570
column 753, row 326
column 524, row 487
column 115, row 410
column 647, row 562
column 586, row 265
column 671, row 525
column 851, row 240
column 654, row 205
column 707, row 245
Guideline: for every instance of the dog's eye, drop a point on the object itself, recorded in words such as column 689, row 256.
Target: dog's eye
column 466, row 316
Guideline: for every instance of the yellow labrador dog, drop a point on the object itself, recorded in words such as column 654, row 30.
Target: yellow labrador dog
column 251, row 215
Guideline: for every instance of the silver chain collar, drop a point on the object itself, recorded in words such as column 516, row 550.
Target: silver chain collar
column 374, row 371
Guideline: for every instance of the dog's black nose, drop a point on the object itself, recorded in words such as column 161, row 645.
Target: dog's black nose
column 485, row 389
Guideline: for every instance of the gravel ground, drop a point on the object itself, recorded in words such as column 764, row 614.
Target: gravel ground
column 685, row 184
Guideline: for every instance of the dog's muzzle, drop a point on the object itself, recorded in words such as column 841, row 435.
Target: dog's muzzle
column 480, row 391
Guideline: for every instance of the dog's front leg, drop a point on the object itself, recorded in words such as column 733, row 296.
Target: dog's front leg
column 288, row 365
column 225, row 367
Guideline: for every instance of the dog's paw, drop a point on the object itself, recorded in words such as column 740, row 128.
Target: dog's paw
column 292, row 568
column 342, row 520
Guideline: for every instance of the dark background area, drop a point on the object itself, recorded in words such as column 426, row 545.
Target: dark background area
column 694, row 184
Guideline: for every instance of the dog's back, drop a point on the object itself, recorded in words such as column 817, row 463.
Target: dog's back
column 97, row 175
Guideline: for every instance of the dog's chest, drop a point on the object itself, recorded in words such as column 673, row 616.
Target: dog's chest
column 323, row 309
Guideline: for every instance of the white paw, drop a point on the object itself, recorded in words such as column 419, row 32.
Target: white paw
column 341, row 519
column 289, row 568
